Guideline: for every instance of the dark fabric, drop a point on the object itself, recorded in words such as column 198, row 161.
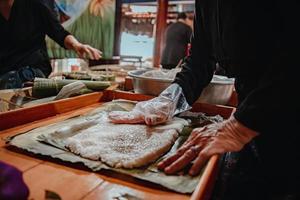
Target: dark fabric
column 241, row 177
column 256, row 42
column 22, row 37
column 177, row 37
column 17, row 78
column 168, row 66
column 12, row 185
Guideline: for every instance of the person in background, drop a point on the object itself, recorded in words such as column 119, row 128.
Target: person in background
column 23, row 53
column 177, row 38
column 190, row 20
column 257, row 42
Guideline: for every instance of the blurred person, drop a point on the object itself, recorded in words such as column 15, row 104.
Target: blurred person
column 190, row 20
column 256, row 42
column 23, row 53
column 177, row 38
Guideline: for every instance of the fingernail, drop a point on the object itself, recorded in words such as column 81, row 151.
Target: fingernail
column 168, row 170
column 160, row 166
column 192, row 172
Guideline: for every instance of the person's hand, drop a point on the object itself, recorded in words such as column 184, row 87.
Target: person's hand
column 228, row 136
column 82, row 50
column 152, row 112
column 155, row 111
column 86, row 51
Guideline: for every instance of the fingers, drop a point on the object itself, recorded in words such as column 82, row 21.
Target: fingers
column 168, row 161
column 199, row 163
column 211, row 149
column 85, row 51
column 95, row 53
column 155, row 119
column 122, row 117
column 88, row 51
column 81, row 54
column 194, row 134
column 186, row 145
column 194, row 141
column 183, row 161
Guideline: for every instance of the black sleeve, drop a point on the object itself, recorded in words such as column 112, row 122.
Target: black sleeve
column 189, row 33
column 271, row 103
column 197, row 69
column 50, row 23
column 274, row 104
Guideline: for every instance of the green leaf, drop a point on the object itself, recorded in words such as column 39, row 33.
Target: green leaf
column 49, row 195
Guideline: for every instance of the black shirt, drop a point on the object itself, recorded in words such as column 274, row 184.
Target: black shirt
column 22, row 36
column 256, row 42
column 177, row 37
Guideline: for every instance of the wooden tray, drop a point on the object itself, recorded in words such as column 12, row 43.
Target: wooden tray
column 104, row 184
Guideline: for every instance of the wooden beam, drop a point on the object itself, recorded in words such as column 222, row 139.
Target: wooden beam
column 117, row 37
column 161, row 24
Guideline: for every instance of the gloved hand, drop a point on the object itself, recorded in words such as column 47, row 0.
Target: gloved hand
column 155, row 111
column 204, row 142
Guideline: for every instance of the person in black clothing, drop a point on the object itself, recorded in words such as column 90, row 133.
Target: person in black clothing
column 256, row 42
column 177, row 37
column 23, row 54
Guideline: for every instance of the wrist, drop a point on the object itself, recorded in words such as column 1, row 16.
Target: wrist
column 240, row 131
column 76, row 45
column 72, row 43
column 174, row 94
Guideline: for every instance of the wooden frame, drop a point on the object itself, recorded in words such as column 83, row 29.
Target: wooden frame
column 24, row 117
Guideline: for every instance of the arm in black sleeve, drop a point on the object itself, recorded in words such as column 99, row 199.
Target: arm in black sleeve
column 197, row 70
column 50, row 23
column 189, row 33
column 274, row 104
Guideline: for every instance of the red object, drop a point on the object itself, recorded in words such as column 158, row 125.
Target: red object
column 161, row 24
column 74, row 68
column 188, row 48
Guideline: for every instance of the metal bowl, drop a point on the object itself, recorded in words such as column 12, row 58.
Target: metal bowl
column 146, row 85
column 218, row 91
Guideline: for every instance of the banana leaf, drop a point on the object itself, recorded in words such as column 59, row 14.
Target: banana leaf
column 36, row 141
column 50, row 87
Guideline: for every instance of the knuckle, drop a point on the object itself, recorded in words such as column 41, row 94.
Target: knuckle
column 203, row 154
column 189, row 153
column 181, row 150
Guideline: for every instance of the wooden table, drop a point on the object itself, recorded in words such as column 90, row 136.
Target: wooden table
column 72, row 181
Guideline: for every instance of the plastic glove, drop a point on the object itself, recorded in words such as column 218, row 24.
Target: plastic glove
column 155, row 111
column 204, row 142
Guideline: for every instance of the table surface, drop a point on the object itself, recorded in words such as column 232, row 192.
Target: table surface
column 71, row 182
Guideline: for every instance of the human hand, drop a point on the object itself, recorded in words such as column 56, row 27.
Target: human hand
column 155, row 111
column 152, row 112
column 204, row 142
column 82, row 50
column 86, row 51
